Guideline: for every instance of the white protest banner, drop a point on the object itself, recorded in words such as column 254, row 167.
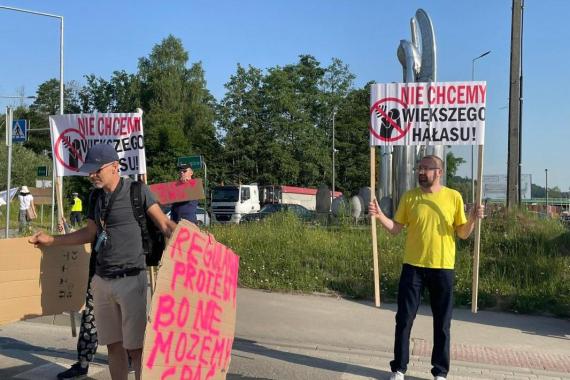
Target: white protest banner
column 73, row 135
column 431, row 113
column 191, row 326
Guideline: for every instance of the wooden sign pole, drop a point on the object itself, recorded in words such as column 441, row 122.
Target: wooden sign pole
column 477, row 247
column 373, row 228
column 61, row 219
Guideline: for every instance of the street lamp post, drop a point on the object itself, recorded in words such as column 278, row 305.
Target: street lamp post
column 60, row 89
column 472, row 147
column 546, row 175
column 333, row 154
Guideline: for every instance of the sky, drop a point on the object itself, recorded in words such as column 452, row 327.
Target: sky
column 103, row 36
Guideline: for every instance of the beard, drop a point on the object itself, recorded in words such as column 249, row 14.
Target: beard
column 424, row 181
column 97, row 184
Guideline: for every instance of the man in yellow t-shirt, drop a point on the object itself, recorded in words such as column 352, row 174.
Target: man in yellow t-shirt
column 433, row 215
column 76, row 210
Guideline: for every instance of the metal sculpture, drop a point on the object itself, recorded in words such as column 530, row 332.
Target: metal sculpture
column 419, row 64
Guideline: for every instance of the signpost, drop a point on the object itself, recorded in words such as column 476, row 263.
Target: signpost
column 195, row 162
column 9, row 116
column 43, row 171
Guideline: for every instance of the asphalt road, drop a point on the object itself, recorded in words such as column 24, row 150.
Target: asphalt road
column 284, row 336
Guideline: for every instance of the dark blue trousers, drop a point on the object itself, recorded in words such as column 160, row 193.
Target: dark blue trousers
column 439, row 283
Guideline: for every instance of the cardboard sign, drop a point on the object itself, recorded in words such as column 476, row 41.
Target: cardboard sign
column 191, row 326
column 433, row 113
column 170, row 192
column 73, row 135
column 41, row 196
column 36, row 282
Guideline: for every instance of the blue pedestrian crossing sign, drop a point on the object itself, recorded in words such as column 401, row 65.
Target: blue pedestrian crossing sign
column 19, row 130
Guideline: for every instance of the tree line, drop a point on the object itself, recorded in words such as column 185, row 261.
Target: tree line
column 273, row 126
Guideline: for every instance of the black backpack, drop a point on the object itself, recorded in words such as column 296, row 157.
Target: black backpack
column 152, row 239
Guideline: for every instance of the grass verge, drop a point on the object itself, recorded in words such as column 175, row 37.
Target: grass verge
column 524, row 266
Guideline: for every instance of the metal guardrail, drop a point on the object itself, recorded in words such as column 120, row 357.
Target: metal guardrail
column 551, row 201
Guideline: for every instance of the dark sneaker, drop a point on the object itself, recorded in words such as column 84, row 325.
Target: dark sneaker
column 75, row 372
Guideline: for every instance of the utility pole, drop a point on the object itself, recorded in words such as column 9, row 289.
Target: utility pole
column 514, row 147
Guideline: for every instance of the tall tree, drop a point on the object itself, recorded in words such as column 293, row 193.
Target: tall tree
column 463, row 185
column 294, row 106
column 178, row 108
column 46, row 104
column 352, row 141
column 248, row 143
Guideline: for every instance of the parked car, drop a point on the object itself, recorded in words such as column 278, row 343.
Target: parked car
column 301, row 212
column 202, row 216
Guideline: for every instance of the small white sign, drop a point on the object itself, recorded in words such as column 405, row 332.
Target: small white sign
column 43, row 183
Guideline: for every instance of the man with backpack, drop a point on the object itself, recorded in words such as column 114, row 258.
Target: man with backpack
column 119, row 284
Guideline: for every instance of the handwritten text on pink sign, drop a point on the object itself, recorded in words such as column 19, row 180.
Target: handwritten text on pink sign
column 193, row 323
column 170, row 192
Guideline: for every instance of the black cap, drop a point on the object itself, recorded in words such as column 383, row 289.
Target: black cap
column 184, row 166
column 98, row 156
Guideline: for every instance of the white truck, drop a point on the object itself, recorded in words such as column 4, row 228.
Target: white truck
column 304, row 196
column 230, row 203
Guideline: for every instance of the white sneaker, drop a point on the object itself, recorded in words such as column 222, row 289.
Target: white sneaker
column 439, row 378
column 397, row 376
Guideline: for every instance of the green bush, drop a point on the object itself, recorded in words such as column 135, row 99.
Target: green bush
column 524, row 261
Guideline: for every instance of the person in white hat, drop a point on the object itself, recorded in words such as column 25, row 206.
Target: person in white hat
column 26, row 202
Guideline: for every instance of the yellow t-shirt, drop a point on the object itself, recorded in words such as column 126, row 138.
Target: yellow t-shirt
column 77, row 205
column 431, row 219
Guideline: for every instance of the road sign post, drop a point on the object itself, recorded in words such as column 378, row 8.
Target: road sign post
column 42, row 171
column 9, row 116
column 195, row 162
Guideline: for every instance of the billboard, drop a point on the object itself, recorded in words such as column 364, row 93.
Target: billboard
column 495, row 187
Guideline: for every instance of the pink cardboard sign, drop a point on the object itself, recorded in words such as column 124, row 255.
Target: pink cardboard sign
column 191, row 325
column 171, row 192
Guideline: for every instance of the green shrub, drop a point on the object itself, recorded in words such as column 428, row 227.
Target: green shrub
column 524, row 261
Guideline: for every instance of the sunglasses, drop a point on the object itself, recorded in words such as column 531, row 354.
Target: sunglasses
column 425, row 168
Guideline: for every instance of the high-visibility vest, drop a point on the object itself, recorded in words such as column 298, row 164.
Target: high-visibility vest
column 77, row 205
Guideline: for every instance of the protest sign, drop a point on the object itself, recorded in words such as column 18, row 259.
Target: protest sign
column 41, row 196
column 36, row 282
column 176, row 191
column 73, row 135
column 431, row 113
column 191, row 326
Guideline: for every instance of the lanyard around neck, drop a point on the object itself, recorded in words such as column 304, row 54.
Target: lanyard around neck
column 105, row 211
